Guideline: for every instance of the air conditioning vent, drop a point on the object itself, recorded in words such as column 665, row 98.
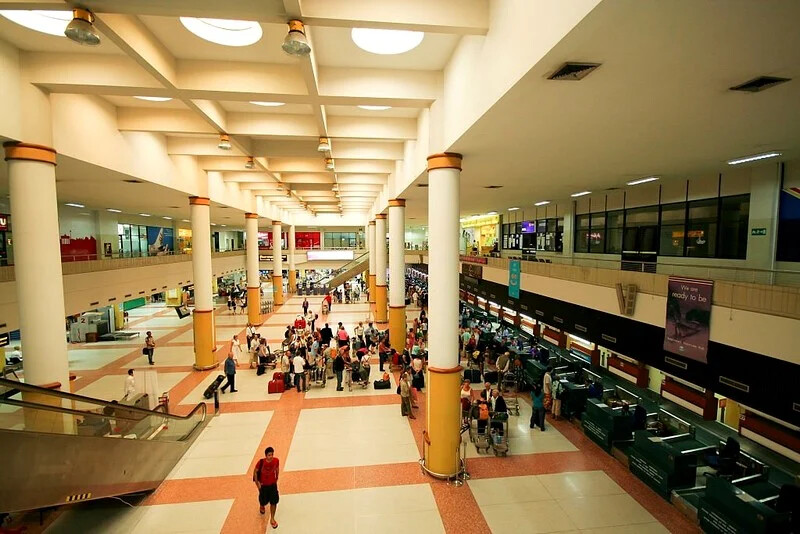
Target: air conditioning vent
column 133, row 181
column 734, row 384
column 492, row 186
column 422, row 185
column 573, row 71
column 677, row 363
column 608, row 338
column 759, row 84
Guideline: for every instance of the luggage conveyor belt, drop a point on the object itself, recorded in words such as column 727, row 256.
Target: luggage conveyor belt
column 68, row 448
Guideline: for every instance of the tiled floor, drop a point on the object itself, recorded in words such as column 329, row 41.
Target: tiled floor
column 348, row 459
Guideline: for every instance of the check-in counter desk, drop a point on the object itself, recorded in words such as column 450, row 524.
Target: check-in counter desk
column 610, row 420
column 667, row 461
column 741, row 506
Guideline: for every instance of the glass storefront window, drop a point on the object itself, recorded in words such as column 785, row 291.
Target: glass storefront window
column 734, row 219
column 614, row 223
column 672, row 234
column 701, row 234
column 597, row 233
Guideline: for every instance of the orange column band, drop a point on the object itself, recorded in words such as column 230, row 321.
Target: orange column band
column 372, row 289
column 254, row 306
column 443, row 421
column 381, row 302
column 292, row 281
column 397, row 327
column 204, row 347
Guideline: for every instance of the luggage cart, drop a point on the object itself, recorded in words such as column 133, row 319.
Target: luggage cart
column 477, row 435
column 318, row 376
column 498, row 423
column 511, row 388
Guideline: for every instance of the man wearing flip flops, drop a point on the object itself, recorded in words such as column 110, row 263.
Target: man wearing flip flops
column 266, row 478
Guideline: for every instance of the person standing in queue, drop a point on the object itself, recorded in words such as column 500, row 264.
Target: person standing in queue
column 305, row 306
column 298, row 363
column 149, row 347
column 338, row 369
column 265, row 476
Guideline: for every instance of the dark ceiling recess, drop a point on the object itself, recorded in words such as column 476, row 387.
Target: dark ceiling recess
column 133, row 181
column 492, row 186
column 573, row 71
column 759, row 84
column 422, row 185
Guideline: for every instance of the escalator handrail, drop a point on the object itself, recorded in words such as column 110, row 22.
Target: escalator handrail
column 21, row 386
column 344, row 268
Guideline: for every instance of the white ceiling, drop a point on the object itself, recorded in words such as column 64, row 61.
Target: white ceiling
column 659, row 104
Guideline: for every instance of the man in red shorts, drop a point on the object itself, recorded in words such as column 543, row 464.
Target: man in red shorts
column 266, row 478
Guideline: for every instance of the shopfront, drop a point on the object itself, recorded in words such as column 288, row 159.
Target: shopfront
column 479, row 234
column 137, row 240
column 5, row 240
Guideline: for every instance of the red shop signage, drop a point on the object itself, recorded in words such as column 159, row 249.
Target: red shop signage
column 475, row 259
column 3, row 223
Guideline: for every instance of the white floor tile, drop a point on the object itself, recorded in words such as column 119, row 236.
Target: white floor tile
column 111, row 387
column 349, row 435
column 249, row 388
column 166, row 357
column 533, row 517
column 507, row 490
column 605, row 511
column 94, row 358
column 579, row 484
column 166, row 320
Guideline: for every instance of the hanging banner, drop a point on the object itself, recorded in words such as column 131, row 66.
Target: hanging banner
column 688, row 317
column 513, row 278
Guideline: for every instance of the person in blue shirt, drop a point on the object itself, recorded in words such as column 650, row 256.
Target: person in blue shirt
column 230, row 372
column 315, row 350
column 537, row 397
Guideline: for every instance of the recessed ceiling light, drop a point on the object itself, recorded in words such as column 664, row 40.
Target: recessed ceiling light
column 643, row 180
column 386, row 42
column 154, row 98
column 74, row 205
column 112, row 210
column 492, row 213
column 513, row 209
column 144, row 214
column 49, row 22
column 582, row 193
column 224, row 31
column 754, row 157
column 542, row 203
column 375, row 108
column 267, row 104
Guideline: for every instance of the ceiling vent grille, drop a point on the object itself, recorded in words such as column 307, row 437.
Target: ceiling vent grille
column 422, row 185
column 492, row 186
column 573, row 71
column 759, row 84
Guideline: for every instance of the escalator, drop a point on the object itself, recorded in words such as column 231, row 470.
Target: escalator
column 349, row 270
column 61, row 448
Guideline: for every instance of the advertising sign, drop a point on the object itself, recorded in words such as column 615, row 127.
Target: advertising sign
column 688, row 317
column 159, row 240
column 3, row 222
column 513, row 278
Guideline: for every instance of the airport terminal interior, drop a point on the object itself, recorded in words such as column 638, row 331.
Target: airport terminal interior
column 430, row 266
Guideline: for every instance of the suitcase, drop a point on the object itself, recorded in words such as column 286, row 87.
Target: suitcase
column 382, row 384
column 277, row 375
column 473, row 375
column 490, row 376
column 209, row 392
column 418, row 381
column 396, row 358
column 276, row 386
column 261, row 369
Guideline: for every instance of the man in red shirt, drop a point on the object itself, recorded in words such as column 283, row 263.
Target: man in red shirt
column 266, row 478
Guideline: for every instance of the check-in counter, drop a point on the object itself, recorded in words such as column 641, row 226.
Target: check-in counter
column 666, row 462
column 604, row 425
column 743, row 505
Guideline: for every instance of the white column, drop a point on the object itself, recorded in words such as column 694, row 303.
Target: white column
column 371, row 246
column 37, row 260
column 397, row 252
column 443, row 266
column 203, row 317
column 253, row 272
column 292, row 275
column 381, row 253
column 277, row 263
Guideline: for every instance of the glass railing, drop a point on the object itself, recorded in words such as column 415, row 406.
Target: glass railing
column 35, row 409
column 344, row 268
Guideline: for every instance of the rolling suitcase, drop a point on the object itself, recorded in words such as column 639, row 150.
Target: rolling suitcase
column 490, row 376
column 275, row 386
column 473, row 375
column 277, row 375
column 209, row 392
column 381, row 384
column 261, row 369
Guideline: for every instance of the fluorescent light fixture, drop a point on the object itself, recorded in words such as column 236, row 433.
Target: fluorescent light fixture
column 154, row 98
column 581, row 340
column 492, row 213
column 112, row 210
column 49, row 22
column 375, row 108
column 223, row 31
column 754, row 157
column 74, row 204
column 386, row 42
column 513, row 209
column 267, row 104
column 167, row 218
column 582, row 193
column 223, row 225
column 224, row 142
column 144, row 215
column 213, row 224
column 542, row 203
column 643, row 180
column 185, row 220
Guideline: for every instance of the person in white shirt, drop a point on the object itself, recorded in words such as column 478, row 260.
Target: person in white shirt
column 14, row 357
column 130, row 385
column 236, row 346
column 299, row 371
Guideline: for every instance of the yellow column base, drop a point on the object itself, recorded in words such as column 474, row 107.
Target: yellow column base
column 46, row 421
column 381, row 302
column 277, row 289
column 292, row 281
column 204, row 347
column 397, row 327
column 443, row 425
column 254, row 305
column 372, row 289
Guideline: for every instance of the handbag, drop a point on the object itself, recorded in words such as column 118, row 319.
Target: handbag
column 144, row 351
